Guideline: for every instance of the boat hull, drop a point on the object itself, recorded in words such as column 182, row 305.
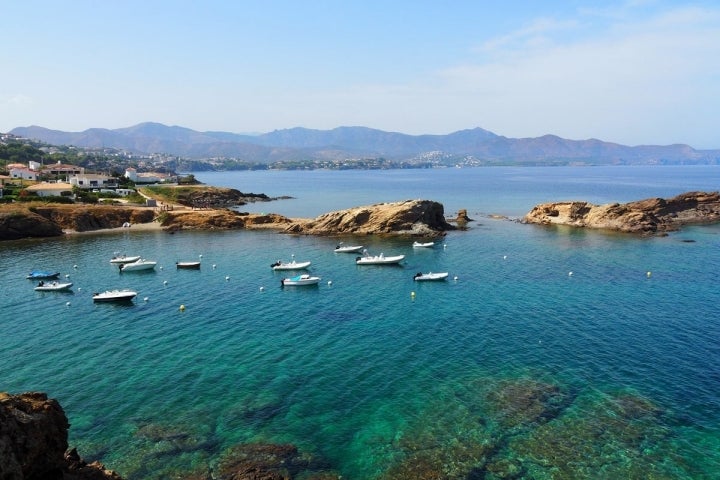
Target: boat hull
column 124, row 259
column 291, row 266
column 299, row 281
column 349, row 249
column 430, row 277
column 380, row 260
column 188, row 265
column 42, row 275
column 54, row 287
column 138, row 266
column 114, row 296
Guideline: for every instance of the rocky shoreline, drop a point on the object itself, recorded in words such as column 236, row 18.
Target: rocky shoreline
column 653, row 216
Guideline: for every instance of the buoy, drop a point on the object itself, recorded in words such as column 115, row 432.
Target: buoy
column 67, row 276
column 160, row 267
column 412, row 295
column 145, row 299
column 227, row 278
column 79, row 289
column 75, row 266
column 504, row 257
column 200, row 255
column 648, row 274
column 262, row 289
column 182, row 308
column 214, row 266
column 329, row 282
column 165, row 282
column 67, row 304
column 569, row 274
column 455, row 278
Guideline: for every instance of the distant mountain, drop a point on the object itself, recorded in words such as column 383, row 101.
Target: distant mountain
column 343, row 143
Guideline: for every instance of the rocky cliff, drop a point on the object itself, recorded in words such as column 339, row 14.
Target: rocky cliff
column 34, row 442
column 410, row 217
column 648, row 217
column 45, row 220
column 219, row 219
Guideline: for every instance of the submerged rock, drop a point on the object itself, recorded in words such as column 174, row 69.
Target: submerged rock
column 650, row 216
column 262, row 461
column 410, row 217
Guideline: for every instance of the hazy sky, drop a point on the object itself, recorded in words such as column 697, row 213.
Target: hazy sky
column 633, row 72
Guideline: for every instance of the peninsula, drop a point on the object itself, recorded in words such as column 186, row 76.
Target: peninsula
column 651, row 216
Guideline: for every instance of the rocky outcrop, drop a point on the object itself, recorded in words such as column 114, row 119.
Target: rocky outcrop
column 411, row 217
column 34, row 440
column 219, row 219
column 22, row 223
column 647, row 217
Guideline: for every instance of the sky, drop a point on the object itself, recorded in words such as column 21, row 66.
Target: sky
column 636, row 72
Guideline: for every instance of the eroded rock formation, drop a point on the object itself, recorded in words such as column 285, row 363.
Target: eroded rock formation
column 410, row 217
column 34, row 441
column 648, row 217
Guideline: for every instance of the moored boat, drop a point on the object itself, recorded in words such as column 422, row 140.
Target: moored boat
column 188, row 265
column 53, row 286
column 304, row 279
column 381, row 259
column 124, row 259
column 340, row 248
column 423, row 244
column 42, row 275
column 291, row 265
column 430, row 276
column 139, row 265
column 114, row 296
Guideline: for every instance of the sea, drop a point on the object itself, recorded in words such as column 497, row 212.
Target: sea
column 549, row 352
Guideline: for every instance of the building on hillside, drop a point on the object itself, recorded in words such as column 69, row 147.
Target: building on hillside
column 45, row 189
column 148, row 177
column 60, row 169
column 88, row 181
column 37, row 166
column 23, row 173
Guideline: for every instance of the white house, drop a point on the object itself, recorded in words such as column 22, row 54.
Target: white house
column 23, row 173
column 90, row 181
column 51, row 189
column 147, row 177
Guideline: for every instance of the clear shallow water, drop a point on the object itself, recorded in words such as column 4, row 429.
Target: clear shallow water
column 515, row 367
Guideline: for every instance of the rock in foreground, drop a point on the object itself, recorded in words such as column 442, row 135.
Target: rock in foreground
column 411, row 217
column 34, row 440
column 647, row 217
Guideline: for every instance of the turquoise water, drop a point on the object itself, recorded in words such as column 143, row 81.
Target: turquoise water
column 514, row 368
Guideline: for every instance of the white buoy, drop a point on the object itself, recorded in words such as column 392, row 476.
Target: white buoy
column 570, row 274
column 67, row 304
column 214, row 266
column 182, row 308
column 262, row 289
column 165, row 282
column 160, row 267
column 329, row 282
column 412, row 295
column 79, row 289
column 227, row 278
column 145, row 299
column 648, row 274
column 504, row 257
column 67, row 276
column 75, row 266
column 200, row 255
column 455, row 278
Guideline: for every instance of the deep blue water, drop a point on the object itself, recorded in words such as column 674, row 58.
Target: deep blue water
column 517, row 365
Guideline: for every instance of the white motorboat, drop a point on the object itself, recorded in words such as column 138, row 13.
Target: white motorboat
column 304, row 279
column 119, row 259
column 381, row 259
column 347, row 248
column 430, row 276
column 423, row 245
column 137, row 266
column 188, row 265
column 52, row 286
column 291, row 265
column 114, row 296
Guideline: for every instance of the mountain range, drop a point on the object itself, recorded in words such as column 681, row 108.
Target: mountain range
column 477, row 145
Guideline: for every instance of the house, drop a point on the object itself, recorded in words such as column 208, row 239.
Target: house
column 89, row 181
column 60, row 169
column 46, row 189
column 23, row 173
column 148, row 177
